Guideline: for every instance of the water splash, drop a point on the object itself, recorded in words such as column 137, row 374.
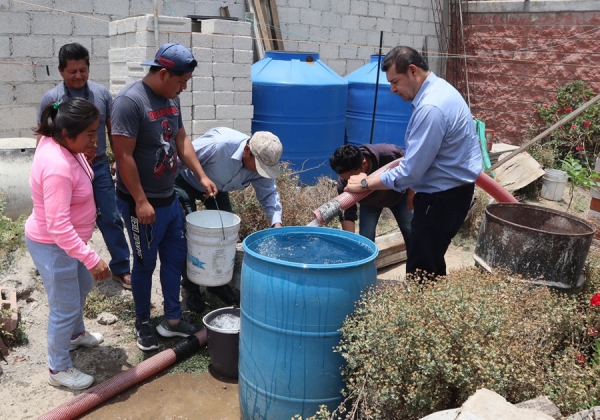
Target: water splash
column 226, row 322
column 314, row 223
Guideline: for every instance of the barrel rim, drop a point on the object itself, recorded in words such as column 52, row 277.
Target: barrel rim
column 197, row 214
column 541, row 208
column 299, row 229
column 213, row 314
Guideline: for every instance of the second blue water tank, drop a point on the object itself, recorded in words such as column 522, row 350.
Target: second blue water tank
column 302, row 101
column 392, row 113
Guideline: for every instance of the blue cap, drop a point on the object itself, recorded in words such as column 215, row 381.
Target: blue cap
column 174, row 57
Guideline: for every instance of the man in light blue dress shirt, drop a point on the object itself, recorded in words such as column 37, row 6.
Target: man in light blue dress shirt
column 232, row 160
column 441, row 164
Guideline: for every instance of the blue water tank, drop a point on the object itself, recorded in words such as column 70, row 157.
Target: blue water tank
column 302, row 101
column 291, row 313
column 392, row 114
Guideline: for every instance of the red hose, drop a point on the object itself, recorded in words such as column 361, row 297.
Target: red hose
column 498, row 193
column 117, row 384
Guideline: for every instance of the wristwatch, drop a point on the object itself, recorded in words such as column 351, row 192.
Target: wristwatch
column 364, row 184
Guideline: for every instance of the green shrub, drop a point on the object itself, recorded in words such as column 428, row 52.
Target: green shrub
column 414, row 351
column 12, row 234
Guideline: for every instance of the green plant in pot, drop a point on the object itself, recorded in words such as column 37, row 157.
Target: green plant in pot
column 580, row 175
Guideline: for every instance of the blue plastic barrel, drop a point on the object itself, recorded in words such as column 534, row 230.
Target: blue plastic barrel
column 290, row 316
column 392, row 114
column 301, row 100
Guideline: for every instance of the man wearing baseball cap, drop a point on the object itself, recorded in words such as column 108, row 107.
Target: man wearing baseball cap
column 149, row 141
column 232, row 160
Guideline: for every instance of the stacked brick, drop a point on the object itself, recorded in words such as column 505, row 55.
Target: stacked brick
column 219, row 94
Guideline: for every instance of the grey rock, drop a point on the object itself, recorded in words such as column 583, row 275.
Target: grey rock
column 106, row 318
column 543, row 404
column 590, row 414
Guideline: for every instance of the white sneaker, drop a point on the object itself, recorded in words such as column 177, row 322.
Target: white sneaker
column 87, row 340
column 71, row 378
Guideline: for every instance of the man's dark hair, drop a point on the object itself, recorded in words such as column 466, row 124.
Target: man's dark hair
column 401, row 58
column 156, row 69
column 346, row 158
column 72, row 51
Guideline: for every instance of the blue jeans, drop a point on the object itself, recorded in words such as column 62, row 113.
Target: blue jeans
column 368, row 217
column 164, row 238
column 109, row 222
column 67, row 283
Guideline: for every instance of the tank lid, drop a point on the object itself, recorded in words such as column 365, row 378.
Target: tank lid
column 367, row 74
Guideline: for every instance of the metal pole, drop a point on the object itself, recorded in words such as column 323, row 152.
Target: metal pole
column 156, row 24
column 376, row 87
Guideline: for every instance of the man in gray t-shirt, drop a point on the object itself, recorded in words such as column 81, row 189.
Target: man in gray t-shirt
column 74, row 67
column 149, row 137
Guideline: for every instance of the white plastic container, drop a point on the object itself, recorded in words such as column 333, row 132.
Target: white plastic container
column 211, row 238
column 554, row 182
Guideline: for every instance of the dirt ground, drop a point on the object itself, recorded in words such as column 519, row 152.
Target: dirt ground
column 25, row 394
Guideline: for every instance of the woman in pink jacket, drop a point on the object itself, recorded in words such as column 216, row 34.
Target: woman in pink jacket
column 57, row 232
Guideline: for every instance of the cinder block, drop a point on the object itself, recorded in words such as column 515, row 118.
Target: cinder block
column 225, row 98
column 113, row 28
column 223, row 41
column 55, row 24
column 203, row 97
column 7, row 95
column 203, row 112
column 202, row 83
column 359, row 8
column 114, row 8
column 204, row 69
column 127, row 25
column 100, row 47
column 223, row 55
column 80, row 6
column 59, row 41
column 223, row 83
column 4, row 47
column 242, row 98
column 186, row 114
column 243, row 56
column 166, row 24
column 118, row 41
column 231, row 70
column 367, row 23
column 8, row 302
column 376, row 9
column 185, row 98
column 225, row 27
column 31, row 46
column 30, row 93
column 15, row 23
column 225, row 112
column 242, row 43
column 242, row 84
column 203, row 55
column 183, row 38
column 200, row 127
column 201, row 40
column 86, row 25
column 243, row 125
column 15, row 72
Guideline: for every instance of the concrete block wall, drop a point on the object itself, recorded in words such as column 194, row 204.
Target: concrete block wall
column 220, row 91
column 520, row 55
column 344, row 32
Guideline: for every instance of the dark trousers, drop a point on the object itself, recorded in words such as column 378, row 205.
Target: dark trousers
column 187, row 196
column 436, row 220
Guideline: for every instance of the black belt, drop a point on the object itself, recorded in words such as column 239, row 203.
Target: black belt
column 98, row 158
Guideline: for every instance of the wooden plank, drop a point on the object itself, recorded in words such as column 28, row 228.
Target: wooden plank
column 390, row 260
column 259, row 9
column 278, row 40
column 260, row 47
column 519, row 172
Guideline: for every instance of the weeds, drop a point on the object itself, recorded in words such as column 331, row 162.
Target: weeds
column 11, row 236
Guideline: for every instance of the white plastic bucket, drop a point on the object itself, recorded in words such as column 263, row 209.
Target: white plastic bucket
column 211, row 238
column 553, row 186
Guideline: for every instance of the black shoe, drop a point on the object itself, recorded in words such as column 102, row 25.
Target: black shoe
column 146, row 339
column 195, row 303
column 225, row 293
column 182, row 329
